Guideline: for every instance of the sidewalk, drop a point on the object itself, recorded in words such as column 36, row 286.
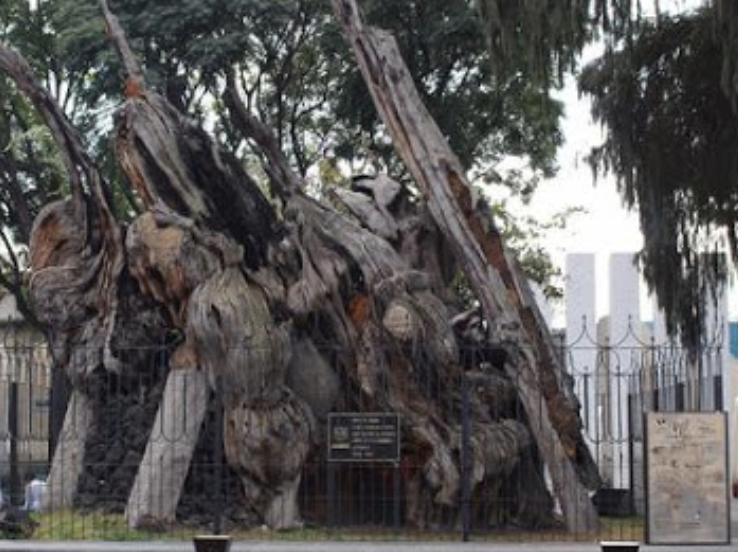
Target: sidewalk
column 347, row 546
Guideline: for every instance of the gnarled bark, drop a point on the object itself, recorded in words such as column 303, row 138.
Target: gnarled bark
column 76, row 258
column 156, row 491
column 480, row 252
column 287, row 319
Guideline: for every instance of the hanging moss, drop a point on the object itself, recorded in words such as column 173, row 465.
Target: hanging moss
column 542, row 39
column 672, row 139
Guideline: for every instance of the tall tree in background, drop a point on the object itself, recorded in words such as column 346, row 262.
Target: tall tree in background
column 672, row 138
column 665, row 91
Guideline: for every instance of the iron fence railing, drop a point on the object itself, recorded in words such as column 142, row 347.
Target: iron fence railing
column 614, row 384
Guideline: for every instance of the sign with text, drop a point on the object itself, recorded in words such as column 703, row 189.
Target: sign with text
column 363, row 437
column 687, row 478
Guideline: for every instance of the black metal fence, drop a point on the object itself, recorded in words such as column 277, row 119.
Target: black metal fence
column 382, row 497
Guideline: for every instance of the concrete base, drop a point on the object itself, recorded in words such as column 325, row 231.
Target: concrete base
column 212, row 543
column 619, row 546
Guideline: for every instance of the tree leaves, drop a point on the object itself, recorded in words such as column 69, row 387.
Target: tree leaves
column 672, row 140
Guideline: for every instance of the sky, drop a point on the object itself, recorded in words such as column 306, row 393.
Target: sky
column 605, row 226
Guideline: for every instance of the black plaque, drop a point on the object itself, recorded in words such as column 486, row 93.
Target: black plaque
column 363, row 437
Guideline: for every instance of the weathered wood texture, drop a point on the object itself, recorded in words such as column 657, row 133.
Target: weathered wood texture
column 198, row 269
column 161, row 475
column 396, row 311
column 67, row 463
column 480, row 252
column 76, row 259
column 286, row 319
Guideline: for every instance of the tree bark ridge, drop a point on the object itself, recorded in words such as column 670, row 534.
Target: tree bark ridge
column 479, row 250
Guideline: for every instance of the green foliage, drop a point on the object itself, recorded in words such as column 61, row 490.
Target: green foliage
column 71, row 525
column 485, row 114
column 538, row 39
column 295, row 73
column 298, row 75
column 523, row 234
column 67, row 525
column 671, row 142
column 667, row 93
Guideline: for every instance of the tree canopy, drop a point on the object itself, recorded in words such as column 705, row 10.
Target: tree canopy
column 665, row 91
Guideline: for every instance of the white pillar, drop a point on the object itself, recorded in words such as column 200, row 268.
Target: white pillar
column 625, row 322
column 581, row 333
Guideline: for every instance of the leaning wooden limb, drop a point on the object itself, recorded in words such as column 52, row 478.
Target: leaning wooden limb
column 118, row 37
column 441, row 178
column 172, row 441
column 69, row 455
column 76, row 259
column 100, row 259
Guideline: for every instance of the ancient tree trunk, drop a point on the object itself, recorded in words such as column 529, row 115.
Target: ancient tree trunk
column 479, row 250
column 67, row 463
column 165, row 464
column 287, row 318
column 76, row 257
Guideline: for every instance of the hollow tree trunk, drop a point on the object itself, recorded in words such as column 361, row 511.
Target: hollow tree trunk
column 410, row 314
column 479, row 250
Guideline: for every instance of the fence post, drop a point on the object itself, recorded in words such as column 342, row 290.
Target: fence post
column 219, row 502
column 16, row 488
column 465, row 458
column 331, row 498
column 396, row 498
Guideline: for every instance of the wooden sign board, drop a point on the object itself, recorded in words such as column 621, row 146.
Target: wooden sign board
column 363, row 437
column 687, row 499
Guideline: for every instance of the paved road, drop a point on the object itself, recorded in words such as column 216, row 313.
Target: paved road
column 255, row 546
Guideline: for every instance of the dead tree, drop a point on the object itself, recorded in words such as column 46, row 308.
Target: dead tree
column 286, row 316
column 505, row 296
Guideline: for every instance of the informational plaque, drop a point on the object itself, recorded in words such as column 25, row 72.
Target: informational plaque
column 363, row 437
column 687, row 478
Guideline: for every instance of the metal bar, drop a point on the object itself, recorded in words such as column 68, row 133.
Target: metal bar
column 219, row 501
column 396, row 498
column 465, row 460
column 16, row 488
column 331, row 491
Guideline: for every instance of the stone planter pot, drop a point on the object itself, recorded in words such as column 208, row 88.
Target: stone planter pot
column 619, row 546
column 212, row 543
